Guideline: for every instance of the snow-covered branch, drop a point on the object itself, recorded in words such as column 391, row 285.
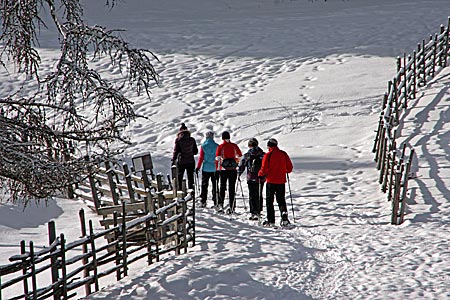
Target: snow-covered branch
column 75, row 107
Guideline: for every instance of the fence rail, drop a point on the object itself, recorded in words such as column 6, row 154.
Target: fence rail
column 413, row 72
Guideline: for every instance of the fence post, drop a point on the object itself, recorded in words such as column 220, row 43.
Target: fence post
column 160, row 195
column 414, row 74
column 116, row 243
column 136, row 184
column 148, row 240
column 23, row 250
column 92, row 186
column 161, row 203
column 434, row 54
column 124, row 240
column 126, row 170
column 385, row 173
column 383, row 161
column 385, row 98
column 391, row 176
column 377, row 136
column 424, row 64
column 175, row 183
column 112, row 185
column 185, row 224
column 403, row 202
column 381, row 147
column 442, row 47
column 395, row 100
column 405, row 86
column 395, row 199
column 184, row 187
column 94, row 255
column 447, row 44
column 193, row 217
column 177, row 227
column 63, row 267
column 33, row 272
column 87, row 286
column 53, row 260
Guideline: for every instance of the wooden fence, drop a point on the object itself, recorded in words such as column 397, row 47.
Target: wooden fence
column 413, row 72
column 143, row 217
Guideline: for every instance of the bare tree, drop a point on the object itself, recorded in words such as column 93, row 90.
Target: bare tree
column 75, row 110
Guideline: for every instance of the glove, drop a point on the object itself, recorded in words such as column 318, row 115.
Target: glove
column 196, row 171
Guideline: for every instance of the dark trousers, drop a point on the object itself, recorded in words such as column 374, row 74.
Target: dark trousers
column 229, row 176
column 279, row 191
column 255, row 196
column 189, row 168
column 206, row 177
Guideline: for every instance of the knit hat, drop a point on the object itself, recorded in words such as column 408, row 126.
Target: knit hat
column 209, row 134
column 225, row 135
column 272, row 142
column 253, row 142
column 183, row 127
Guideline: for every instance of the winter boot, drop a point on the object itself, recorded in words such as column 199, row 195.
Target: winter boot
column 266, row 223
column 253, row 217
column 284, row 220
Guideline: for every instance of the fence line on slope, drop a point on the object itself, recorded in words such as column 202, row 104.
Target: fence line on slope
column 413, row 72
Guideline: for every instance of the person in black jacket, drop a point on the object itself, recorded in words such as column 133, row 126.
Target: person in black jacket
column 183, row 156
column 251, row 162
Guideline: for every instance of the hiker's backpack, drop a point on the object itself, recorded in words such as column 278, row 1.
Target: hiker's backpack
column 255, row 163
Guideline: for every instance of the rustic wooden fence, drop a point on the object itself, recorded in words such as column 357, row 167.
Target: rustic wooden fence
column 109, row 184
column 143, row 217
column 413, row 72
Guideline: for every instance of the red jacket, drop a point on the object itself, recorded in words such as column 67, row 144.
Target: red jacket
column 227, row 150
column 275, row 165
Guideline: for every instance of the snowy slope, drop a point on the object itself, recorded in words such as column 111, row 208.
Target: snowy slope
column 259, row 68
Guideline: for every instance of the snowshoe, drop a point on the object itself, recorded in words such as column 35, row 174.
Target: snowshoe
column 230, row 211
column 266, row 223
column 285, row 223
column 253, row 217
column 284, row 220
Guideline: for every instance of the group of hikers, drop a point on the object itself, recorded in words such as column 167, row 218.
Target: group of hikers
column 224, row 164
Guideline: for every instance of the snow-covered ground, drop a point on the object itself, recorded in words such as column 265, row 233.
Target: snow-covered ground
column 259, row 68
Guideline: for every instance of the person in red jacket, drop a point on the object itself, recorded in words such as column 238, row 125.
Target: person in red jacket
column 275, row 165
column 227, row 159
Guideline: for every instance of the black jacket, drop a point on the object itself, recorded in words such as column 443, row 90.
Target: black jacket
column 185, row 149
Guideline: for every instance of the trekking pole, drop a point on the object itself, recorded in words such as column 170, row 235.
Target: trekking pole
column 290, row 193
column 198, row 184
column 242, row 192
column 216, row 182
column 260, row 201
column 170, row 182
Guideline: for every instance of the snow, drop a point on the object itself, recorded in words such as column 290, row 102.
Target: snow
column 258, row 68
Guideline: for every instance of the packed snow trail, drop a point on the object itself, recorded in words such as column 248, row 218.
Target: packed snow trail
column 312, row 75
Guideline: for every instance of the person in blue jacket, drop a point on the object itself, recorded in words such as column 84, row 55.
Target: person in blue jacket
column 206, row 162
